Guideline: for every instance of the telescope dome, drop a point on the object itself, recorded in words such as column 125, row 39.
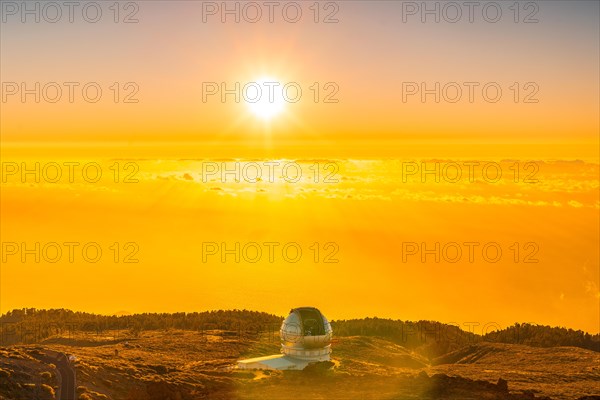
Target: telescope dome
column 306, row 334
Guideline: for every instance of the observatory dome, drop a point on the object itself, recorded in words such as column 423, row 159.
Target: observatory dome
column 306, row 334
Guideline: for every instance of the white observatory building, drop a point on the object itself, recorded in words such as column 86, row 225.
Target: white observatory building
column 305, row 338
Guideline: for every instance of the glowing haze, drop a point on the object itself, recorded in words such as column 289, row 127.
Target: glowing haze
column 361, row 98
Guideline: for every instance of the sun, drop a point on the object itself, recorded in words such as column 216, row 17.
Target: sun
column 264, row 97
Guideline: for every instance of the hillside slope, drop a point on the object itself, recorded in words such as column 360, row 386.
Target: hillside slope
column 187, row 365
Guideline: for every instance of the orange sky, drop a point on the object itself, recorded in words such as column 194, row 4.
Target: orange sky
column 165, row 137
column 369, row 54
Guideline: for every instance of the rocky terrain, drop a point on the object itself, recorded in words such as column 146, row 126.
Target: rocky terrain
column 182, row 365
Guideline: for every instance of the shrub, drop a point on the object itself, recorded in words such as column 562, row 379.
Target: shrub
column 46, row 376
column 48, row 389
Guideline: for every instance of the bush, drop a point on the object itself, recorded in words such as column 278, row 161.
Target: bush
column 46, row 376
column 48, row 389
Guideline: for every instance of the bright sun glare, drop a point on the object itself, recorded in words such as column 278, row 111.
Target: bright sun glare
column 264, row 97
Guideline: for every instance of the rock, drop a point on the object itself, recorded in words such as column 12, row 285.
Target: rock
column 318, row 367
column 502, row 385
column 159, row 369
